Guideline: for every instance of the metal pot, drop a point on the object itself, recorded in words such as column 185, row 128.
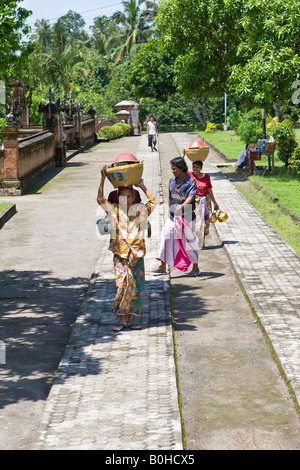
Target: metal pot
column 104, row 226
column 222, row 216
column 213, row 218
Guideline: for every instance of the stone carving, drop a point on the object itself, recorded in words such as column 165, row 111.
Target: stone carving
column 50, row 111
column 18, row 110
column 71, row 110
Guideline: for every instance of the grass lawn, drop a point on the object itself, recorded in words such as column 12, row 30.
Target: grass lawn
column 3, row 206
column 283, row 187
column 228, row 142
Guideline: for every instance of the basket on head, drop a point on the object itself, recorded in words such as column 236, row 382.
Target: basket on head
column 125, row 175
column 197, row 151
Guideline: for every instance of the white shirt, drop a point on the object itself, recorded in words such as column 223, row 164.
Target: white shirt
column 152, row 128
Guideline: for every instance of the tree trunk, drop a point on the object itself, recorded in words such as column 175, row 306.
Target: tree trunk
column 277, row 107
column 200, row 113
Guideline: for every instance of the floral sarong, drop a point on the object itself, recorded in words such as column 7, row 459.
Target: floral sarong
column 130, row 282
column 203, row 211
column 129, row 249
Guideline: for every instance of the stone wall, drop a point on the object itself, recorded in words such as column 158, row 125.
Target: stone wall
column 30, row 151
column 23, row 160
column 88, row 132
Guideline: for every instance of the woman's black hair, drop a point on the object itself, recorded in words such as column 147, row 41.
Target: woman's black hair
column 180, row 163
column 198, row 162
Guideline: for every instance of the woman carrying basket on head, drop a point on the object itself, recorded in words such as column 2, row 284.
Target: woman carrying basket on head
column 204, row 199
column 129, row 248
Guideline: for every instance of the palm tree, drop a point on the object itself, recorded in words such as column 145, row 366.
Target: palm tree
column 102, row 28
column 134, row 25
column 42, row 33
column 62, row 65
column 63, row 58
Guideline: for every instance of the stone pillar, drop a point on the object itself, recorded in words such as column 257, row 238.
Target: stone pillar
column 131, row 109
column 52, row 121
column 9, row 177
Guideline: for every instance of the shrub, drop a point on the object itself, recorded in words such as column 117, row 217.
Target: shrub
column 294, row 162
column 234, row 118
column 114, row 132
column 249, row 131
column 211, row 127
column 254, row 115
column 285, row 138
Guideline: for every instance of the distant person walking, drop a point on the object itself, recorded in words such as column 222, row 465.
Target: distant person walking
column 152, row 133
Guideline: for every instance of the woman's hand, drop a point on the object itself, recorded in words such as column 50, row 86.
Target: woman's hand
column 179, row 209
column 183, row 153
column 141, row 183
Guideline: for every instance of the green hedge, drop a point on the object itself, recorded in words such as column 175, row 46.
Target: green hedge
column 114, row 132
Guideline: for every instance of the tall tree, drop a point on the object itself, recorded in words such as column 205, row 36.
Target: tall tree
column 151, row 73
column 42, row 34
column 12, row 28
column 268, row 54
column 248, row 46
column 102, row 28
column 134, row 25
column 203, row 34
column 63, row 58
column 74, row 23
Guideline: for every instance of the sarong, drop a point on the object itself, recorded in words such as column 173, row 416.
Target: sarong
column 130, row 282
column 179, row 248
column 203, row 211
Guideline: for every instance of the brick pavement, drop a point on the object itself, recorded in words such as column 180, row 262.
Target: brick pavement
column 267, row 266
column 118, row 391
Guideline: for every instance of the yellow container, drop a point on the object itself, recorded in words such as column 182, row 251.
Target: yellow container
column 125, row 175
column 197, row 154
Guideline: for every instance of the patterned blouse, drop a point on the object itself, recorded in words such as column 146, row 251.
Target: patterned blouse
column 127, row 238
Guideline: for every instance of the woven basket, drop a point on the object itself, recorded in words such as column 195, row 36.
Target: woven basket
column 197, row 154
column 270, row 146
column 125, row 175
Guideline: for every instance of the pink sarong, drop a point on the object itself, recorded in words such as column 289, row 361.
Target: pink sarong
column 179, row 247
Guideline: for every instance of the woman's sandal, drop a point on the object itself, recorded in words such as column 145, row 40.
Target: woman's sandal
column 191, row 274
column 133, row 327
column 119, row 327
column 159, row 271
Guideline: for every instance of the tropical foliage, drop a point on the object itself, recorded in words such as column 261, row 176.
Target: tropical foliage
column 176, row 58
column 12, row 28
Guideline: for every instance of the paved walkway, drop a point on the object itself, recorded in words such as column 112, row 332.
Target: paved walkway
column 268, row 268
column 118, row 391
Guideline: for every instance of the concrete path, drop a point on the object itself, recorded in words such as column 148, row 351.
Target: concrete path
column 119, row 391
column 233, row 395
column 268, row 268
